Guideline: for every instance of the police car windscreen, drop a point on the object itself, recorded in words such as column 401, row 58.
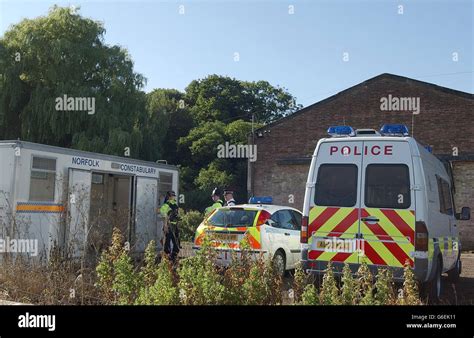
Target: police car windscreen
column 336, row 185
column 233, row 218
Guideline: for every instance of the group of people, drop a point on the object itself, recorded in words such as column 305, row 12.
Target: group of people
column 216, row 198
column 169, row 211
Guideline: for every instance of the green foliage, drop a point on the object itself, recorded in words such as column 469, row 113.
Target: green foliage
column 385, row 288
column 349, row 292
column 366, row 287
column 199, row 281
column 299, row 283
column 410, row 294
column 263, row 285
column 310, row 295
column 64, row 53
column 189, row 222
column 163, row 291
column 329, row 291
column 126, row 282
column 105, row 268
column 148, row 273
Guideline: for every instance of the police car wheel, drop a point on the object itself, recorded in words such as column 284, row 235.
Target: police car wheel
column 454, row 273
column 279, row 263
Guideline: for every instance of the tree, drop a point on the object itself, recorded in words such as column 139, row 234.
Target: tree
column 167, row 120
column 222, row 109
column 61, row 54
column 227, row 99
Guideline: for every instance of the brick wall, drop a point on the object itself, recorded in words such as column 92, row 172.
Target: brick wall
column 463, row 173
column 443, row 123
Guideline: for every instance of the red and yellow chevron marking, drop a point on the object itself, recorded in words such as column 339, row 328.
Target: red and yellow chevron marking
column 39, row 208
column 333, row 222
column 390, row 241
column 387, row 242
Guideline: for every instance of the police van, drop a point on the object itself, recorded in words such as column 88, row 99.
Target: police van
column 383, row 199
column 269, row 230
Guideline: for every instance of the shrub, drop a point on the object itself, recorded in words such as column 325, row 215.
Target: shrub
column 365, row 285
column 263, row 285
column 299, row 283
column 410, row 294
column 349, row 292
column 329, row 291
column 310, row 295
column 384, row 287
column 199, row 281
column 189, row 222
column 164, row 290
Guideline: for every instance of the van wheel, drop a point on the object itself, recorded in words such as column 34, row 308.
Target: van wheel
column 279, row 263
column 435, row 285
column 454, row 273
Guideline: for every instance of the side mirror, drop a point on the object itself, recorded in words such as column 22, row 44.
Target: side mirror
column 464, row 215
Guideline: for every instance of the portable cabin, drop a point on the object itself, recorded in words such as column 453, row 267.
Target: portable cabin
column 72, row 199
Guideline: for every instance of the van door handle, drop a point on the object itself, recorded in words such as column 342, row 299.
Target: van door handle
column 369, row 219
column 287, row 234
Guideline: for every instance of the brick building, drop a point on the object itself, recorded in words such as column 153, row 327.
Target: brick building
column 444, row 122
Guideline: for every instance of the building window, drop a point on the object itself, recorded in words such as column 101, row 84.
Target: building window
column 43, row 179
column 336, row 185
column 445, row 199
column 387, row 186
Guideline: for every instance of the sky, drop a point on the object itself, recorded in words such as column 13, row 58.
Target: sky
column 314, row 49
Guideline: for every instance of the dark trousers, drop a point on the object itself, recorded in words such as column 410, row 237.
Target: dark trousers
column 172, row 236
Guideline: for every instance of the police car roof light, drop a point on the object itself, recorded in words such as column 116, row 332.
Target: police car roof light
column 261, row 200
column 394, row 130
column 341, row 131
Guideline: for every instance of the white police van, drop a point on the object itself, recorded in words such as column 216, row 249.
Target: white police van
column 383, row 199
column 271, row 230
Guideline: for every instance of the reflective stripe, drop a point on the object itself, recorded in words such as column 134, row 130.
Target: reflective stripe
column 42, row 208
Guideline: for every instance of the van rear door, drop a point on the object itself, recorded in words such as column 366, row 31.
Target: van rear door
column 387, row 220
column 333, row 223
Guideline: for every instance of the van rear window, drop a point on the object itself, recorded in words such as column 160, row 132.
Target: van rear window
column 387, row 186
column 336, row 185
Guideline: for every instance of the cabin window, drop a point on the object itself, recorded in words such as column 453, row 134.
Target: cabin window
column 336, row 185
column 387, row 186
column 445, row 198
column 166, row 184
column 43, row 179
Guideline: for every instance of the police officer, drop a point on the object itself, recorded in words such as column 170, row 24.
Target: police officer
column 229, row 198
column 216, row 197
column 169, row 210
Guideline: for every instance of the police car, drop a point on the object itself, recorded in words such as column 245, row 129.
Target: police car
column 383, row 199
column 271, row 230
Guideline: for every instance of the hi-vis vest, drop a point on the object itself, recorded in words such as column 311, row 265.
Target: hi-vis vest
column 170, row 210
column 217, row 204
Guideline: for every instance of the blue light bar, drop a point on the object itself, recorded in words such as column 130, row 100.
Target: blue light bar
column 429, row 149
column 261, row 200
column 394, row 130
column 341, row 131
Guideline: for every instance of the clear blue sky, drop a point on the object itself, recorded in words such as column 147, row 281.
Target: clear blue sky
column 302, row 52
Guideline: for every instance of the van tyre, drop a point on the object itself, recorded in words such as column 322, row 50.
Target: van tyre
column 454, row 273
column 435, row 285
column 279, row 263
